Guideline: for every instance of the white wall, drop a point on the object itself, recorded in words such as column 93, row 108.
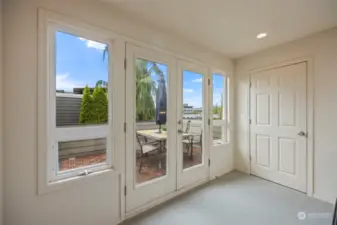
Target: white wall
column 323, row 49
column 95, row 202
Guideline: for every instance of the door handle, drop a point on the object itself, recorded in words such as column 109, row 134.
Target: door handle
column 302, row 133
column 180, row 131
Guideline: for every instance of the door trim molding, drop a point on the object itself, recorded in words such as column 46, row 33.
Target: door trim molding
column 310, row 113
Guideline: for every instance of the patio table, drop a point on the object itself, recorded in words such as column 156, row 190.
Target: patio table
column 153, row 134
column 161, row 137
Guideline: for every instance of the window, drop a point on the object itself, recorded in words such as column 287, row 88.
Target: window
column 219, row 109
column 79, row 105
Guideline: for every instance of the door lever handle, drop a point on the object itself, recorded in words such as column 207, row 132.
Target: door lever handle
column 302, row 133
column 180, row 131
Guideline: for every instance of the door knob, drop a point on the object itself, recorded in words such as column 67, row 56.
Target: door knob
column 302, row 133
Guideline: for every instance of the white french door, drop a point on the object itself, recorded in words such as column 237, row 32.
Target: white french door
column 167, row 133
column 150, row 154
column 193, row 122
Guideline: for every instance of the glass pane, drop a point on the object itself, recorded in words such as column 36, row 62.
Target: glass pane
column 192, row 119
column 151, row 116
column 82, row 153
column 81, row 81
column 219, row 109
column 218, row 134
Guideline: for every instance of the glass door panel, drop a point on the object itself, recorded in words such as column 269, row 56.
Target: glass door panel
column 151, row 126
column 193, row 129
column 151, row 117
column 192, row 119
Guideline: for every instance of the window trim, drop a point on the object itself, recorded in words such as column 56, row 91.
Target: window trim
column 224, row 123
column 71, row 133
column 47, row 23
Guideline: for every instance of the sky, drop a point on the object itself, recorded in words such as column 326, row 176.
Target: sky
column 79, row 62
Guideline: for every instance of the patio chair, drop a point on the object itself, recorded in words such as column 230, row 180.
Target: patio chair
column 146, row 147
column 188, row 126
column 186, row 142
column 196, row 140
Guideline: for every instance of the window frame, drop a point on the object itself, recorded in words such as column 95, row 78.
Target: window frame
column 224, row 123
column 80, row 132
column 49, row 177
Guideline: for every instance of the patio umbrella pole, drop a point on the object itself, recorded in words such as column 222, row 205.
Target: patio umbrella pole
column 161, row 103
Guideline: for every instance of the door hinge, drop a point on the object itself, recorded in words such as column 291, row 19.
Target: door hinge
column 124, row 127
column 250, row 158
column 125, row 190
column 250, row 121
column 209, row 81
column 124, row 64
column 209, row 162
column 209, row 122
column 250, row 84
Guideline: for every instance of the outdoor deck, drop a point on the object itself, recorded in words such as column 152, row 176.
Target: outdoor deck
column 88, row 152
column 151, row 168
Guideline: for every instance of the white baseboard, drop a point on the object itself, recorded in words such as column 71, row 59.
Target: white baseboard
column 324, row 199
column 222, row 174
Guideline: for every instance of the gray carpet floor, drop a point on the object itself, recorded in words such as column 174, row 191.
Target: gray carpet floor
column 239, row 199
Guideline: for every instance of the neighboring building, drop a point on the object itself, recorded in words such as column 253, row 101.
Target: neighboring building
column 187, row 108
column 192, row 113
column 68, row 108
column 197, row 109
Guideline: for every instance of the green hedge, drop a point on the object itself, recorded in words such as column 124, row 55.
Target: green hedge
column 94, row 107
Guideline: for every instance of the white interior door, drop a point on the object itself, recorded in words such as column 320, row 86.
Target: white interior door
column 193, row 132
column 278, row 129
column 150, row 155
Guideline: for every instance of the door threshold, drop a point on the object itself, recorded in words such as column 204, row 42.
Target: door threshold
column 164, row 199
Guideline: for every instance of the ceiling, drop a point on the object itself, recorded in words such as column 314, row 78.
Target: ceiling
column 230, row 26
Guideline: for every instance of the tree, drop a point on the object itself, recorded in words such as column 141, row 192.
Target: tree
column 94, row 108
column 100, row 105
column 215, row 109
column 221, row 108
column 102, row 83
column 86, row 106
column 145, row 87
column 218, row 110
